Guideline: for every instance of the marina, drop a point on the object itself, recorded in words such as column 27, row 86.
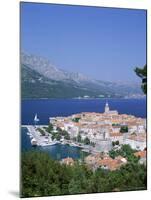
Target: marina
column 58, row 151
column 37, row 139
column 40, row 137
column 40, row 141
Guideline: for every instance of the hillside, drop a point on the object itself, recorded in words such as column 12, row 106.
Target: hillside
column 34, row 85
column 40, row 79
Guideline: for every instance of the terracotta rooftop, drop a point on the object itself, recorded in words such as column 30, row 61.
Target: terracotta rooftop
column 110, row 163
column 141, row 154
column 140, row 138
column 115, row 134
column 113, row 164
column 67, row 161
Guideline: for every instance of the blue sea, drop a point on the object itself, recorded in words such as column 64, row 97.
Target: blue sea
column 46, row 108
column 56, row 152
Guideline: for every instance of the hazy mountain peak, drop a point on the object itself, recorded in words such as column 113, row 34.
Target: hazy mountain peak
column 43, row 72
column 44, row 67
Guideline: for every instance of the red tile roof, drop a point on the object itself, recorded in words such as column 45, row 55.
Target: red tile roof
column 67, row 161
column 141, row 154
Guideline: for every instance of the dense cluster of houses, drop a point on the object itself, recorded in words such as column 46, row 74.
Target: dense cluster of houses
column 104, row 161
column 105, row 128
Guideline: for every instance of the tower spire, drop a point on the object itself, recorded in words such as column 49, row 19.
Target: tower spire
column 107, row 109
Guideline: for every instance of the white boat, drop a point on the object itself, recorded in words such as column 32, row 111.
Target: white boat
column 36, row 118
column 85, row 150
column 49, row 144
column 73, row 144
column 34, row 142
column 30, row 136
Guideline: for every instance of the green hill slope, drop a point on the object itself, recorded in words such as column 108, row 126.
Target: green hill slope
column 34, row 85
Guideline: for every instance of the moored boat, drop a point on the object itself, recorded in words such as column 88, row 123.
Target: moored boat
column 34, row 142
column 28, row 133
column 49, row 143
column 73, row 144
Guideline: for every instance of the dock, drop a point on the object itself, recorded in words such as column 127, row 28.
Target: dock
column 44, row 141
column 38, row 138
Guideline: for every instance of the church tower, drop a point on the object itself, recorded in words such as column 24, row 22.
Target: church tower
column 107, row 109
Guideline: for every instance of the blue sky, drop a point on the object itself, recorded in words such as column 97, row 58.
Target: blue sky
column 102, row 43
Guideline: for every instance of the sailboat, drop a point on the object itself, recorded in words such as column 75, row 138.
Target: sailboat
column 36, row 119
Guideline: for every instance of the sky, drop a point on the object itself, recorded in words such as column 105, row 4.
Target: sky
column 101, row 43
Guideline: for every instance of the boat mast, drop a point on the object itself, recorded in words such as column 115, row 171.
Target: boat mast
column 36, row 119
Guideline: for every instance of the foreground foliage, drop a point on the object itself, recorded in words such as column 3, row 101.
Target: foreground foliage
column 142, row 73
column 126, row 151
column 42, row 176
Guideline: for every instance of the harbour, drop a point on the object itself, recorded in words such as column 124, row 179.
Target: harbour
column 58, row 151
column 39, row 139
column 45, row 140
column 43, row 143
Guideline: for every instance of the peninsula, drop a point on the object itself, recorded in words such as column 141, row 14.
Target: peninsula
column 94, row 132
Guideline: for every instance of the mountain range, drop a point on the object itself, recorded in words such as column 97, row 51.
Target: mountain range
column 41, row 79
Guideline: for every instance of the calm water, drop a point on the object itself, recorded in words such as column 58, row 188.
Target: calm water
column 61, row 107
column 46, row 108
column 56, row 151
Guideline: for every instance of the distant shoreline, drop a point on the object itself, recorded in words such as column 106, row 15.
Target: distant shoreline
column 102, row 98
column 46, row 108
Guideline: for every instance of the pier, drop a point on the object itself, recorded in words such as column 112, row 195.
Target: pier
column 46, row 140
column 39, row 139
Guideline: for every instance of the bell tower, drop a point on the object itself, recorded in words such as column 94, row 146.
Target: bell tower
column 107, row 109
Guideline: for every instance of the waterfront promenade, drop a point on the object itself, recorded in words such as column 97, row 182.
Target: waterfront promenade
column 36, row 135
column 46, row 140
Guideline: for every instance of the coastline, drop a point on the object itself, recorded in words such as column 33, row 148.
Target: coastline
column 47, row 138
column 66, row 107
column 40, row 140
column 82, row 98
column 57, row 152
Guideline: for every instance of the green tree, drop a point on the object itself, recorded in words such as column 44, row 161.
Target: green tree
column 63, row 132
column 49, row 128
column 86, row 141
column 76, row 119
column 142, row 73
column 124, row 129
column 43, row 176
column 92, row 144
column 79, row 139
column 39, row 175
column 67, row 137
column 125, row 151
column 41, row 131
column 58, row 137
column 113, row 143
column 53, row 137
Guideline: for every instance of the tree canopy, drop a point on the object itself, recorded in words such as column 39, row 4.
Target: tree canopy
column 43, row 176
column 142, row 73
